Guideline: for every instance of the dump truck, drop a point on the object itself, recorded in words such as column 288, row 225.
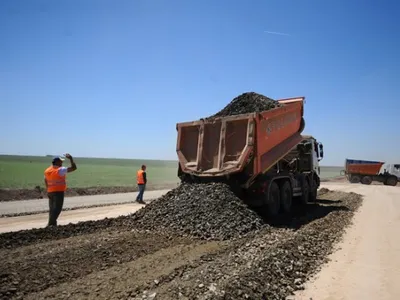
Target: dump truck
column 367, row 171
column 261, row 155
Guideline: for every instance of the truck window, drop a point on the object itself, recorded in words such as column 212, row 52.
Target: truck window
column 397, row 167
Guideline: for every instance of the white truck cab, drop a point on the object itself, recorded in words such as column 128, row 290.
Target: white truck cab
column 393, row 169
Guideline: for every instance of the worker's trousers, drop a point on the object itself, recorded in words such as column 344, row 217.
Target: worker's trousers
column 141, row 187
column 56, row 202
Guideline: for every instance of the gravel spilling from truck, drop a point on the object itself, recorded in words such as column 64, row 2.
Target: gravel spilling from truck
column 247, row 103
column 207, row 211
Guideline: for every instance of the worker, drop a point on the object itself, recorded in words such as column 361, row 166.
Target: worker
column 55, row 181
column 141, row 180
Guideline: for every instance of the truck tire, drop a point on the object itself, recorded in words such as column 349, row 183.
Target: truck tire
column 286, row 197
column 391, row 180
column 366, row 180
column 273, row 201
column 355, row 179
column 313, row 191
column 305, row 193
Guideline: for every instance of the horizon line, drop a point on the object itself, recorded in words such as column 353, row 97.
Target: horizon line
column 97, row 157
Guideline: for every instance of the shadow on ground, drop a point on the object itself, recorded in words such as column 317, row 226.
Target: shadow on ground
column 303, row 214
column 322, row 201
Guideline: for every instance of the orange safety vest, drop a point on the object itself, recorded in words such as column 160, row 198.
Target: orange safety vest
column 55, row 182
column 139, row 177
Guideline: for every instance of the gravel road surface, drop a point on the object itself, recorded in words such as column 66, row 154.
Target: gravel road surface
column 366, row 264
column 41, row 205
column 121, row 262
column 117, row 259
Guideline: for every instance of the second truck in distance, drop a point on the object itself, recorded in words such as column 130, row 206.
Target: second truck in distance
column 367, row 171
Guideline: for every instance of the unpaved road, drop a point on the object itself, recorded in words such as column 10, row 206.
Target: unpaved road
column 104, row 261
column 114, row 259
column 66, row 217
column 41, row 205
column 367, row 262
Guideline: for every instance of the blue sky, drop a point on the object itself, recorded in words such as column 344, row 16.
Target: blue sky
column 112, row 78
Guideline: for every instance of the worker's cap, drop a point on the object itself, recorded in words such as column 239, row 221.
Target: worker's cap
column 57, row 158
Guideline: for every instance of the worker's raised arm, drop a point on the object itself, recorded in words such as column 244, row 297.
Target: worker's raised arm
column 73, row 165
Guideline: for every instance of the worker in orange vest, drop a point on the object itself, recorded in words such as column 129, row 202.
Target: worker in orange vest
column 54, row 179
column 141, row 180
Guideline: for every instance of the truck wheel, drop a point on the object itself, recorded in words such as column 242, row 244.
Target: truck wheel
column 273, row 200
column 313, row 191
column 286, row 197
column 355, row 179
column 392, row 181
column 366, row 180
column 305, row 191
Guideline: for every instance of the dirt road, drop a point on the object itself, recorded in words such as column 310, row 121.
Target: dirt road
column 41, row 205
column 109, row 259
column 367, row 262
column 66, row 217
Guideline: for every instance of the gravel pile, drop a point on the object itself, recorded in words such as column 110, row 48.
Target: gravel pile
column 247, row 103
column 208, row 211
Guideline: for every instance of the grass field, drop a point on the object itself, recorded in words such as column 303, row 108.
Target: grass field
column 27, row 171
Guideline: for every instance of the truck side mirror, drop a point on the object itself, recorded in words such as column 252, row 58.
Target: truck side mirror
column 321, row 150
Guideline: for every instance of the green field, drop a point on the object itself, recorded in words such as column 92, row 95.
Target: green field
column 27, row 171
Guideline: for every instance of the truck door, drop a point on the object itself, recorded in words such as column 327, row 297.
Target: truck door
column 315, row 156
column 396, row 170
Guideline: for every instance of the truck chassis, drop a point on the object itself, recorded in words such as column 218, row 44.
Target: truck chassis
column 385, row 178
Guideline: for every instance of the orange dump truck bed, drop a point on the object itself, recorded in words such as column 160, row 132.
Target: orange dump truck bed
column 227, row 145
column 364, row 168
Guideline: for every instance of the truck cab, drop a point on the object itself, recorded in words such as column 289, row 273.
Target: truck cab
column 309, row 152
column 317, row 154
column 392, row 169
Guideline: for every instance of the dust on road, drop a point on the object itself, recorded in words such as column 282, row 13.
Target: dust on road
column 115, row 259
